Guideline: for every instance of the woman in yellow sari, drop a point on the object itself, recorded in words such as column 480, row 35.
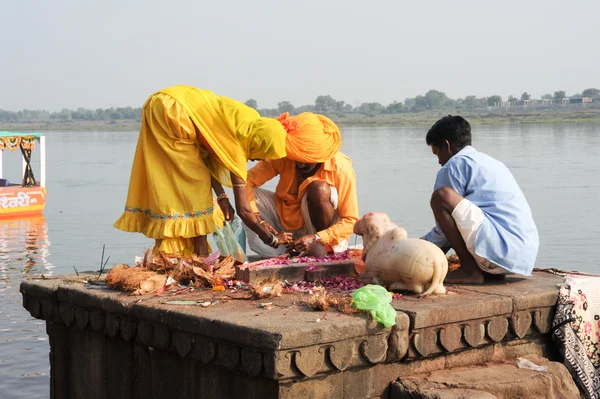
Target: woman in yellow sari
column 193, row 140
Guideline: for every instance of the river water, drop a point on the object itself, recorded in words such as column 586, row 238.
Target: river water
column 88, row 173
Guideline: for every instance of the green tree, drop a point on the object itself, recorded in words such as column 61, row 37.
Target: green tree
column 494, row 100
column 305, row 108
column 325, row 104
column 339, row 106
column 474, row 102
column 409, row 102
column 420, row 103
column 285, row 106
column 252, row 103
column 114, row 115
column 64, row 115
column 547, row 97
column 436, row 99
column 594, row 93
column 370, row 108
column 560, row 94
column 394, row 108
column 525, row 96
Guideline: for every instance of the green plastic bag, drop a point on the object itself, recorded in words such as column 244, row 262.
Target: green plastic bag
column 377, row 300
column 228, row 242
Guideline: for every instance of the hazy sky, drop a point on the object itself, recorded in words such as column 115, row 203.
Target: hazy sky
column 82, row 53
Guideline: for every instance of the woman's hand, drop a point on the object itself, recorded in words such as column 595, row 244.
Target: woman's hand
column 222, row 200
column 268, row 227
column 227, row 209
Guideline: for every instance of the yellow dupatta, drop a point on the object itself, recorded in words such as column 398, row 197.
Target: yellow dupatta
column 234, row 131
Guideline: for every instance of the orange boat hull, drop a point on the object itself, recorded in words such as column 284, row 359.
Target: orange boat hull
column 17, row 202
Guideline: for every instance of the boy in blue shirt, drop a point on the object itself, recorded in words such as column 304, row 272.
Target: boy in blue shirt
column 480, row 210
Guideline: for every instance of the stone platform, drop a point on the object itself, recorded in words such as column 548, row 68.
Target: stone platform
column 106, row 344
column 294, row 272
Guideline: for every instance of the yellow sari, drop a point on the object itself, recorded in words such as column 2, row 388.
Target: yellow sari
column 170, row 196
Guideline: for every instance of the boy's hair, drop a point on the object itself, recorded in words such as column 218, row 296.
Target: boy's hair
column 455, row 129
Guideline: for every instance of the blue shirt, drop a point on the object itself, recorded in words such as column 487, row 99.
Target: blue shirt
column 508, row 236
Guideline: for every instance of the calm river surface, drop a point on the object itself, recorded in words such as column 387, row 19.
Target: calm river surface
column 88, row 173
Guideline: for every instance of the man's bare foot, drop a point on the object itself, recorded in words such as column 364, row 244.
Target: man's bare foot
column 465, row 274
column 490, row 276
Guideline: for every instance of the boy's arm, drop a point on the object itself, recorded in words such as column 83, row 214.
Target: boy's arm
column 347, row 210
column 445, row 177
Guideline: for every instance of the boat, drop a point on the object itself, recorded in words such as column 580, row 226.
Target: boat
column 28, row 197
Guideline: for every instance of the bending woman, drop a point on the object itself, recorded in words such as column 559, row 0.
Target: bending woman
column 192, row 141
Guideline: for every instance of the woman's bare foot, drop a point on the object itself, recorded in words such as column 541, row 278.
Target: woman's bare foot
column 467, row 273
column 201, row 246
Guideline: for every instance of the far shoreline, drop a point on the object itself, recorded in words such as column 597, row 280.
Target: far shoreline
column 426, row 118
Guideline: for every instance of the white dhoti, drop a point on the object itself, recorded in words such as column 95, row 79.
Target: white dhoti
column 265, row 202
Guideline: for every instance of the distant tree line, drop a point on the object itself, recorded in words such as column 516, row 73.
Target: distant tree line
column 66, row 115
column 324, row 104
column 433, row 99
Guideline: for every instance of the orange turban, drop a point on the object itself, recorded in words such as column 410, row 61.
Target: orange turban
column 311, row 138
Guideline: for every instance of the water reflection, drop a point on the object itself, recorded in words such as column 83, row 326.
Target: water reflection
column 24, row 253
column 24, row 248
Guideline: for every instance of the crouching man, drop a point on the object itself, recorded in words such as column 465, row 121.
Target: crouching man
column 315, row 198
column 479, row 209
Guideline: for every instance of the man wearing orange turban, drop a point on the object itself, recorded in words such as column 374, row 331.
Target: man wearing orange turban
column 315, row 198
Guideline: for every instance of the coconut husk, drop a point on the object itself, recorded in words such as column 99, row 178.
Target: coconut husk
column 356, row 256
column 151, row 285
column 125, row 278
column 214, row 274
column 146, row 258
column 226, row 267
column 183, row 273
column 344, row 305
column 453, row 262
column 322, row 301
column 319, row 300
column 211, row 278
column 267, row 289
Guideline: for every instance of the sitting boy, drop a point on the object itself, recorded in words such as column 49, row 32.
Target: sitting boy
column 479, row 209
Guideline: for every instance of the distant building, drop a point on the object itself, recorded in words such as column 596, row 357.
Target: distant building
column 576, row 99
column 579, row 99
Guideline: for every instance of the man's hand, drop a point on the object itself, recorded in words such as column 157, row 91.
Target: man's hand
column 283, row 238
column 302, row 244
column 227, row 209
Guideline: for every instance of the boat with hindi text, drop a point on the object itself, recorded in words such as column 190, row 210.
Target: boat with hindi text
column 27, row 197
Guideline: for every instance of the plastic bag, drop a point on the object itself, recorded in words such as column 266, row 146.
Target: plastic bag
column 231, row 240
column 377, row 300
column 528, row 364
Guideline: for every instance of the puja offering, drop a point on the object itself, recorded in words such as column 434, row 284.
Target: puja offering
column 296, row 268
column 154, row 274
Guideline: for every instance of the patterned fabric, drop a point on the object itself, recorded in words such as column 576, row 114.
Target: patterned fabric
column 157, row 216
column 576, row 327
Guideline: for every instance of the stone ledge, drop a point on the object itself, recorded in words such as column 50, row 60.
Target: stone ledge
column 287, row 341
column 490, row 380
column 538, row 291
column 291, row 341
